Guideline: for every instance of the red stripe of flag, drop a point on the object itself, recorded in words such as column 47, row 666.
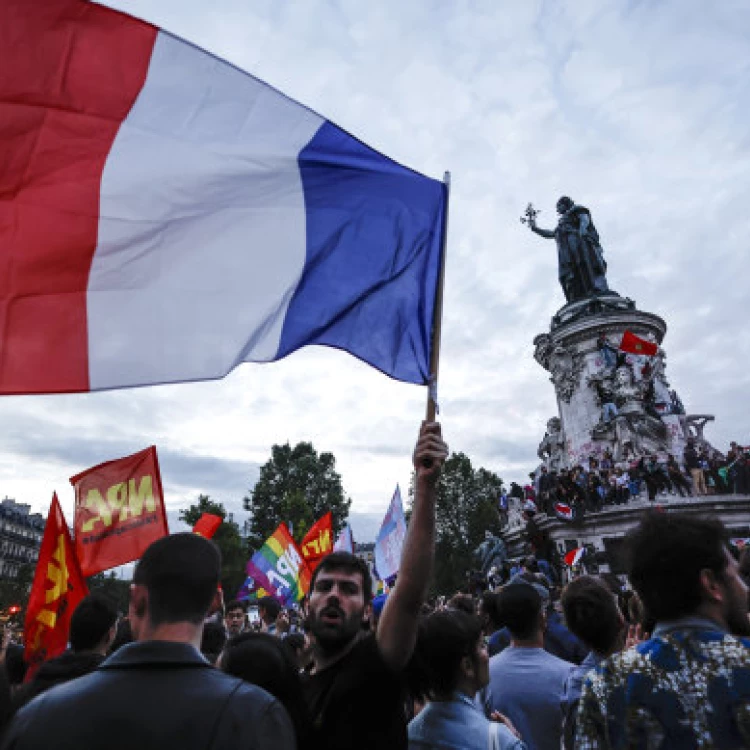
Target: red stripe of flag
column 70, row 72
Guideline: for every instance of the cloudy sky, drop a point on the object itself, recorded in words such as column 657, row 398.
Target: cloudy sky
column 639, row 110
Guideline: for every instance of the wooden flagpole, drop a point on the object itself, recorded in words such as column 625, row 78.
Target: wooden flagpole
column 437, row 319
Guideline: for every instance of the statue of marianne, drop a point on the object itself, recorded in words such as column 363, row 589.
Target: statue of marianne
column 581, row 266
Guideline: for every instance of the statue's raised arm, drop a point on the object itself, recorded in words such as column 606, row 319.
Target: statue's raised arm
column 581, row 266
column 529, row 218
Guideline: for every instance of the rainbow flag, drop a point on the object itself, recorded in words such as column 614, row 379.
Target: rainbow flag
column 278, row 566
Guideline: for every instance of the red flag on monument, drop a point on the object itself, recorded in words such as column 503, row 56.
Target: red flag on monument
column 636, row 345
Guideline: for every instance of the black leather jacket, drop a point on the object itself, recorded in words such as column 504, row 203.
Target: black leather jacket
column 153, row 694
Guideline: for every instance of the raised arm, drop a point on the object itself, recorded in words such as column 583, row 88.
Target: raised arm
column 547, row 233
column 397, row 630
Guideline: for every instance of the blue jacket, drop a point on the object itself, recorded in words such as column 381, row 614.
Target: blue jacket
column 457, row 724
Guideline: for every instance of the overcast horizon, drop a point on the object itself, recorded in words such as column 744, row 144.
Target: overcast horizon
column 636, row 110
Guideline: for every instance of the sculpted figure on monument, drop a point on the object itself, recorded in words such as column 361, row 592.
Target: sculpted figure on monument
column 491, row 553
column 552, row 448
column 565, row 367
column 581, row 266
column 636, row 431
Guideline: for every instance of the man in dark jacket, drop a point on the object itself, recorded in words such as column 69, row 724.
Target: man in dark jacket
column 159, row 692
column 92, row 630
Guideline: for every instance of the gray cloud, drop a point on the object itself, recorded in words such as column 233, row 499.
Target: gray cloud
column 637, row 110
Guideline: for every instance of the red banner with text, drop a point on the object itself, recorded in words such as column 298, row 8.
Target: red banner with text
column 318, row 542
column 119, row 511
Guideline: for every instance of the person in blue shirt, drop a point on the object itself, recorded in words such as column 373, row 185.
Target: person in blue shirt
column 558, row 640
column 450, row 666
column 527, row 684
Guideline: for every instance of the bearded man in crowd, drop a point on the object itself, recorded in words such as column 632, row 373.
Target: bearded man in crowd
column 355, row 691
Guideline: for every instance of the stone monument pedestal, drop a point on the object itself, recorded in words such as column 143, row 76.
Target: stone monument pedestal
column 609, row 400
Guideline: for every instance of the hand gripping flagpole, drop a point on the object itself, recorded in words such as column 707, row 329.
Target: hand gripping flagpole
column 437, row 321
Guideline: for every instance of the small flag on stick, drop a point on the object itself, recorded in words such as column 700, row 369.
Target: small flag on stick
column 207, row 525
column 573, row 557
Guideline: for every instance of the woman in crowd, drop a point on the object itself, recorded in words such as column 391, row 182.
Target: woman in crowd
column 266, row 661
column 449, row 667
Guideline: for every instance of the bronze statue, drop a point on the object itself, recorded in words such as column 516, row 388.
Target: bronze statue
column 581, row 266
column 491, row 553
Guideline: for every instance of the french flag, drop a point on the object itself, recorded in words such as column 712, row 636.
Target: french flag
column 573, row 557
column 563, row 511
column 165, row 216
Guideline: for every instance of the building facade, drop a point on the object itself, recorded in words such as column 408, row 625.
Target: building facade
column 20, row 537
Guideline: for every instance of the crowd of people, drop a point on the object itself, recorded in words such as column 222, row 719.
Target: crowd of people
column 604, row 482
column 661, row 660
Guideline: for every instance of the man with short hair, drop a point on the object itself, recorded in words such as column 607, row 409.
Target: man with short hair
column 593, row 616
column 92, row 629
column 235, row 618
column 268, row 611
column 527, row 683
column 558, row 640
column 689, row 685
column 355, row 691
column 159, row 692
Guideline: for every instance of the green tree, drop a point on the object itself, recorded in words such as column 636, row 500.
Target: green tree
column 466, row 507
column 296, row 485
column 234, row 552
column 113, row 588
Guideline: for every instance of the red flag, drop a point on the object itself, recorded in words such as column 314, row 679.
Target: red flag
column 57, row 590
column 318, row 542
column 636, row 345
column 207, row 525
column 119, row 511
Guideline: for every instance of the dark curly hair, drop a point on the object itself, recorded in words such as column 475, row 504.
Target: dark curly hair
column 665, row 555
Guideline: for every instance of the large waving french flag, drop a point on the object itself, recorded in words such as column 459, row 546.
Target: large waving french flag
column 165, row 216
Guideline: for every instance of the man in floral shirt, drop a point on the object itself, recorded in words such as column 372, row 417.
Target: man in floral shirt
column 688, row 686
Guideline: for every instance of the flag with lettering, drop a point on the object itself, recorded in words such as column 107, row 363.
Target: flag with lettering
column 345, row 542
column 57, row 590
column 119, row 511
column 318, row 542
column 390, row 541
column 278, row 566
column 207, row 525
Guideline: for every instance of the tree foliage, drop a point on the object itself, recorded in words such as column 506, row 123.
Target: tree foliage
column 234, row 551
column 113, row 588
column 296, row 485
column 466, row 507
